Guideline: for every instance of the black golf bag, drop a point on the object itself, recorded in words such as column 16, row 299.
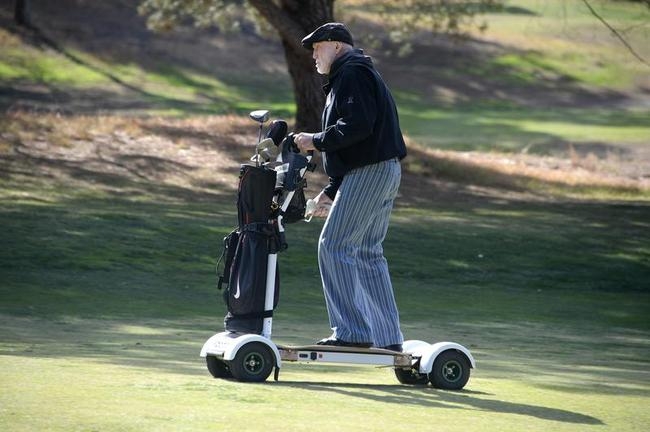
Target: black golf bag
column 247, row 249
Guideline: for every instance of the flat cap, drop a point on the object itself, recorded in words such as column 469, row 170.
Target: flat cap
column 332, row 32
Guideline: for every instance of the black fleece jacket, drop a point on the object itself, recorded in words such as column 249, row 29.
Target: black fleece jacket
column 360, row 122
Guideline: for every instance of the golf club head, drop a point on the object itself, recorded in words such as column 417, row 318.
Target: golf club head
column 260, row 116
column 266, row 150
column 268, row 154
column 266, row 142
column 289, row 145
column 277, row 131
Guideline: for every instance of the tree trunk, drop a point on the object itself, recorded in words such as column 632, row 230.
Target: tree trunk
column 307, row 89
column 22, row 10
column 293, row 20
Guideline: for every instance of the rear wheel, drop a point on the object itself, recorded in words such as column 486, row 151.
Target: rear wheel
column 218, row 368
column 253, row 363
column 450, row 371
column 411, row 376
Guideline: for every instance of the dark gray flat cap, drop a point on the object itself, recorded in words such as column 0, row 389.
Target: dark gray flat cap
column 332, row 32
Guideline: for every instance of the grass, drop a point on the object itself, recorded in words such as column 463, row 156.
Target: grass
column 147, row 377
column 527, row 69
column 112, row 226
column 156, row 88
column 565, row 38
column 108, row 293
column 21, row 64
column 505, row 128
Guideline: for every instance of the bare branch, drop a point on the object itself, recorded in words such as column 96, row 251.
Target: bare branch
column 616, row 33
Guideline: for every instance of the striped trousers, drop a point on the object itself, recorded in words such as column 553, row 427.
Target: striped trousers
column 358, row 291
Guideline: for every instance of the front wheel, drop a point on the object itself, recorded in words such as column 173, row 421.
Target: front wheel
column 411, row 377
column 450, row 371
column 252, row 363
column 218, row 368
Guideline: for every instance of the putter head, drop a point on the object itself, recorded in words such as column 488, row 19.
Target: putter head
column 260, row 116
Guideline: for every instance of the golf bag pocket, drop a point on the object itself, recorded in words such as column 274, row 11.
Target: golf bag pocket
column 296, row 209
column 227, row 256
column 255, row 195
column 246, row 291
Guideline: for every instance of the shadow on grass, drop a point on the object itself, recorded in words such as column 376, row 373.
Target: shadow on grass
column 114, row 33
column 120, row 175
column 171, row 346
column 401, row 395
column 110, row 208
column 156, row 346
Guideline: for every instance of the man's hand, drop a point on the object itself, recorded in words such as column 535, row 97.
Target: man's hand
column 304, row 141
column 323, row 205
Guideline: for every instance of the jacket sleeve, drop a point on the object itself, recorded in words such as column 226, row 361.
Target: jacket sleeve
column 356, row 109
column 332, row 187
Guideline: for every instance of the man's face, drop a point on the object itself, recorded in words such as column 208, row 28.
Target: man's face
column 324, row 54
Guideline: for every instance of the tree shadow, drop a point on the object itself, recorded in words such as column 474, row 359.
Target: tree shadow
column 120, row 176
column 448, row 73
column 432, row 398
column 162, row 345
column 148, row 345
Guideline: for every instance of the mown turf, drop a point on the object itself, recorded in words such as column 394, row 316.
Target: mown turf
column 108, row 292
column 107, row 284
column 106, row 302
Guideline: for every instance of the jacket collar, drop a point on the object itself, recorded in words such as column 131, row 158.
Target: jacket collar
column 337, row 65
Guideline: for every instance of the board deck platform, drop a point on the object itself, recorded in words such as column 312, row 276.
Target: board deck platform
column 341, row 349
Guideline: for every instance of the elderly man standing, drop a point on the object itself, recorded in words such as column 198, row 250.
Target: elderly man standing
column 362, row 145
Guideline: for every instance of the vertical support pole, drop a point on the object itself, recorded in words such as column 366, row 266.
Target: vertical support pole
column 271, row 265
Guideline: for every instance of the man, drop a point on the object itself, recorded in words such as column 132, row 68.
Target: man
column 361, row 145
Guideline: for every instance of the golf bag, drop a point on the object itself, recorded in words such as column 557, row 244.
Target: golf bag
column 246, row 251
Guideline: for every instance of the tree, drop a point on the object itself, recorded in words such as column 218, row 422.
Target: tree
column 22, row 16
column 293, row 19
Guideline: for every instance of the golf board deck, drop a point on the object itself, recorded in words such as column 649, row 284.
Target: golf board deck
column 339, row 354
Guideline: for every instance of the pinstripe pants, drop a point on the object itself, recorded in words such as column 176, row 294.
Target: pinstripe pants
column 358, row 291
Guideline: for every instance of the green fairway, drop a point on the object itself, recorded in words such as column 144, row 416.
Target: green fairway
column 145, row 375
column 106, row 302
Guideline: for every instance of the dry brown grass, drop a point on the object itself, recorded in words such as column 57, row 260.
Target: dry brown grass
column 526, row 175
column 201, row 154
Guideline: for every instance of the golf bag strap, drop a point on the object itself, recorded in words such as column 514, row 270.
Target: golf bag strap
column 265, row 314
column 221, row 281
column 263, row 228
column 270, row 231
column 226, row 257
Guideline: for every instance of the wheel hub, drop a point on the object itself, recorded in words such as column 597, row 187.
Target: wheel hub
column 451, row 371
column 254, row 363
